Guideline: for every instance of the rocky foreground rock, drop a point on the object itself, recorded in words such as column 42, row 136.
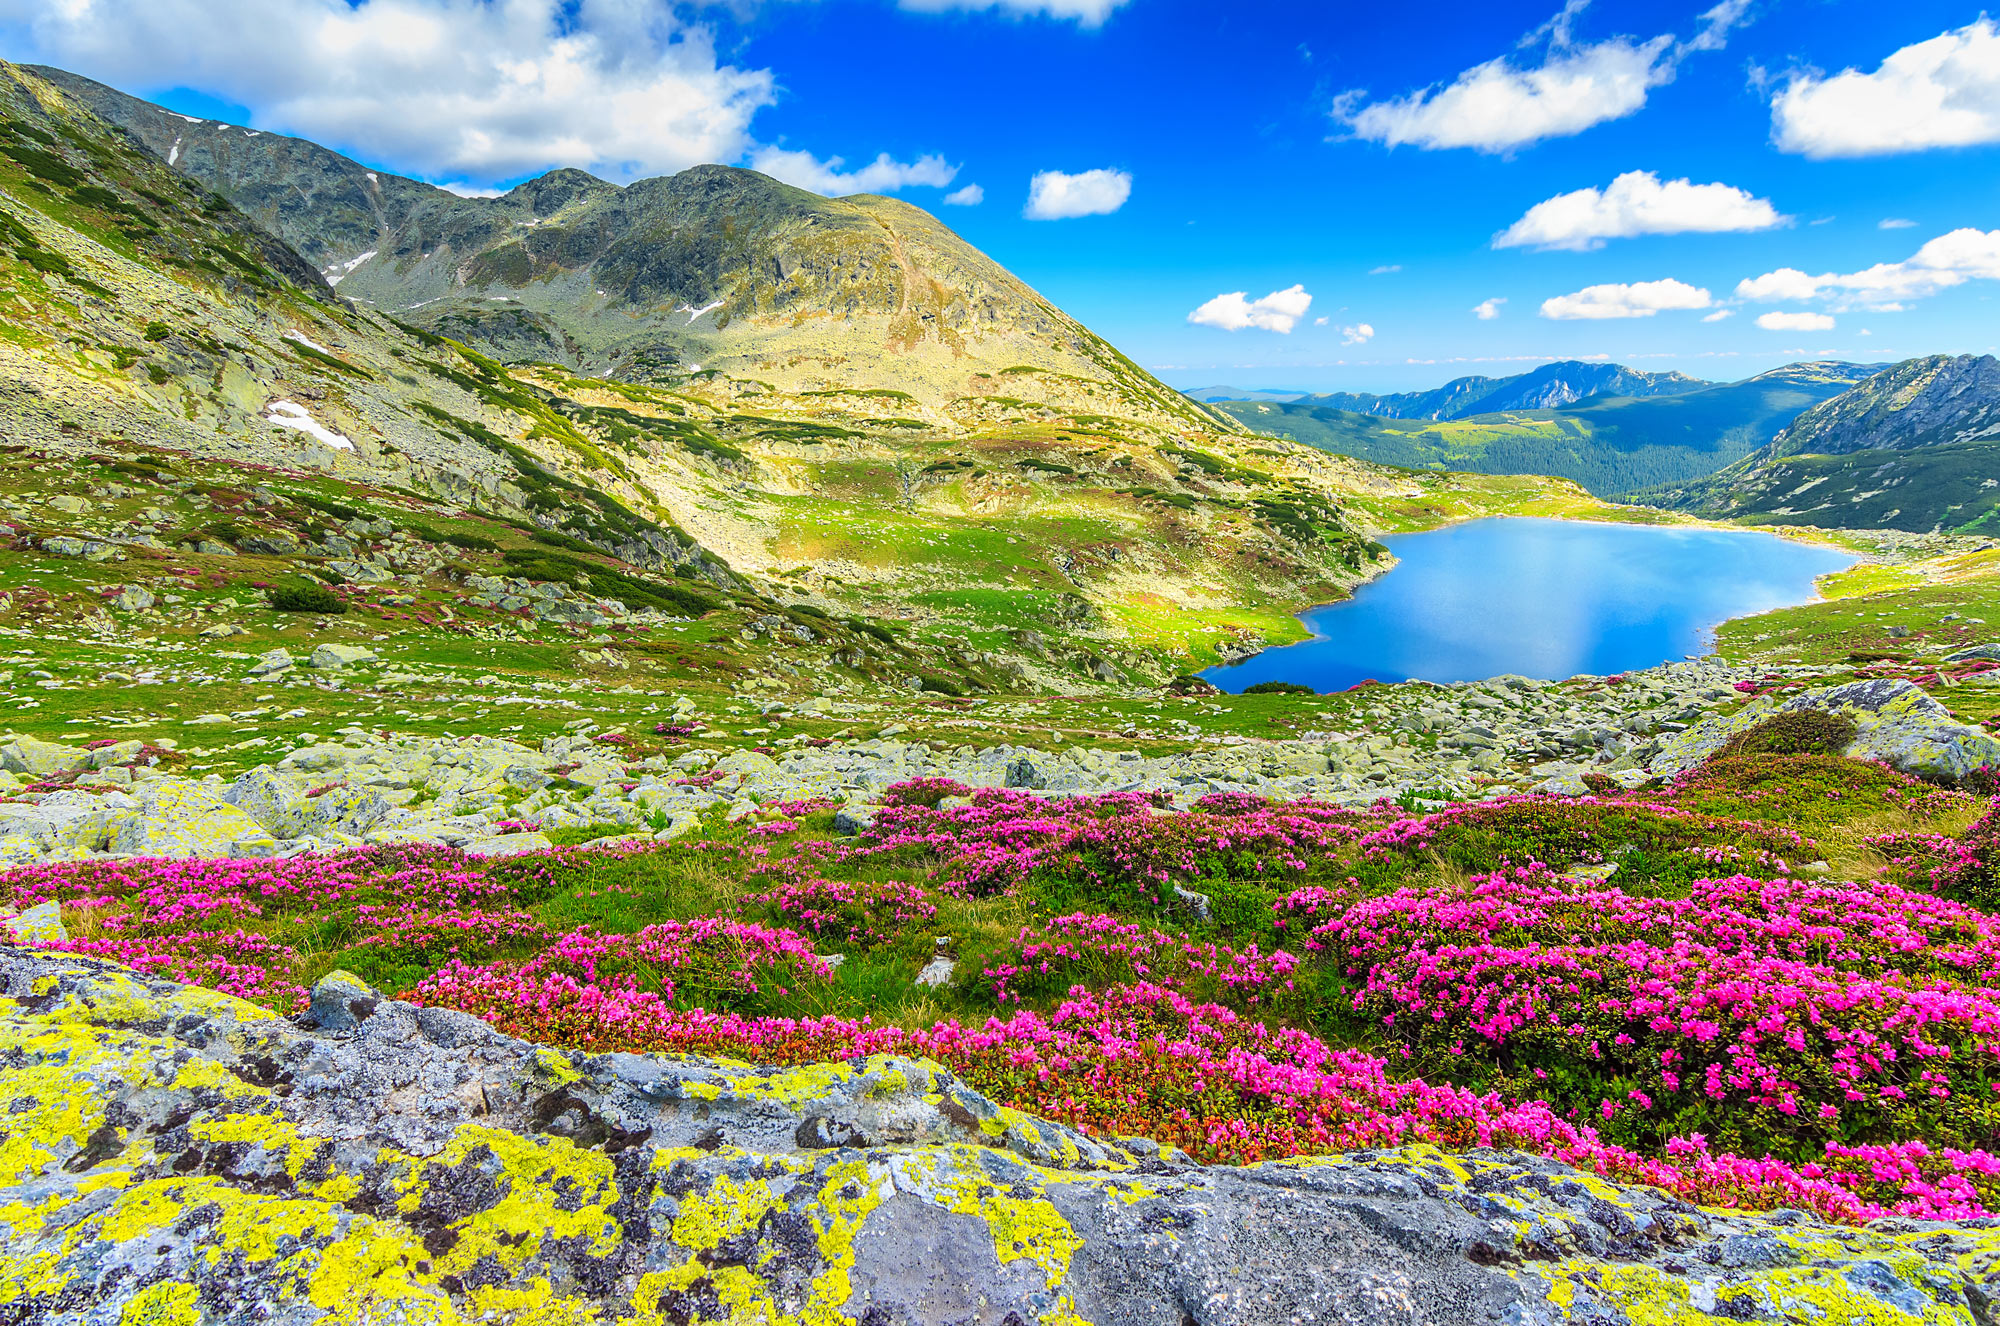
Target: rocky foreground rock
column 173, row 1155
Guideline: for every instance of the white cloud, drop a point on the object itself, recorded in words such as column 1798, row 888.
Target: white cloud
column 1944, row 92
column 1319, row 322
column 1720, row 315
column 1359, row 334
column 1640, row 300
column 445, row 89
column 970, row 196
column 1488, row 309
column 1054, row 196
column 1795, row 321
column 1087, row 13
column 1278, row 311
column 1637, row 203
column 1895, row 223
column 882, row 175
column 1386, row 269
column 1499, row 106
column 1949, row 260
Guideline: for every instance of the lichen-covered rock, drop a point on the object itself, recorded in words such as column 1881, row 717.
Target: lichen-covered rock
column 31, row 755
column 175, row 1155
column 181, row 818
column 1896, row 722
column 341, row 656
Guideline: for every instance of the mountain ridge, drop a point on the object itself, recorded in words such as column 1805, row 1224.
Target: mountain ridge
column 1913, row 447
column 1547, row 386
column 713, row 268
column 1610, row 444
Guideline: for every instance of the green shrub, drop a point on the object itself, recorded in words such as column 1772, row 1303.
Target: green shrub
column 1800, row 732
column 307, row 598
column 158, row 331
column 1279, row 688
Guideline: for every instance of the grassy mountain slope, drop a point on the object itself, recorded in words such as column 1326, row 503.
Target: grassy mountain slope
column 1914, row 447
column 713, row 269
column 1027, row 546
column 1609, row 444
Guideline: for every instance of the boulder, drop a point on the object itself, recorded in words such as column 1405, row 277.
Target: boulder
column 341, row 1001
column 178, row 818
column 31, row 755
column 132, row 598
column 40, row 924
column 1896, row 722
column 332, row 656
column 350, row 810
column 508, row 844
column 274, row 661
column 274, row 798
column 855, row 817
column 391, row 1162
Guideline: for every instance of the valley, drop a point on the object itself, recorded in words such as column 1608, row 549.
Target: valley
column 639, row 753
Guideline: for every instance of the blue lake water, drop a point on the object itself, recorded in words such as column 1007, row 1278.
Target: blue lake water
column 1542, row 598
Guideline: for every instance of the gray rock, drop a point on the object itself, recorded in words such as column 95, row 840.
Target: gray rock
column 40, row 924
column 855, row 818
column 332, row 656
column 508, row 844
column 389, row 1150
column 342, row 1001
column 273, row 661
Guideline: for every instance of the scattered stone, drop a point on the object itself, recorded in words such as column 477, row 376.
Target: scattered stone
column 937, row 972
column 508, row 844
column 330, row 656
column 40, row 924
column 274, row 661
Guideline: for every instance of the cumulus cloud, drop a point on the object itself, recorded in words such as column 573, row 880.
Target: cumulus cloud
column 1278, row 311
column 1503, row 105
column 445, row 89
column 1637, row 203
column 1949, row 260
column 1054, row 196
column 1639, row 300
column 1488, row 309
column 1795, row 321
column 1087, row 13
column 970, row 196
column 1720, row 315
column 1944, row 92
column 1359, row 334
column 882, row 175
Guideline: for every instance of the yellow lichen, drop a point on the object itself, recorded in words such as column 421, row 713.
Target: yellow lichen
column 163, row 1304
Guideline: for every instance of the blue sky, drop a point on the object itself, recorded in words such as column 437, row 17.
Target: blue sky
column 1228, row 161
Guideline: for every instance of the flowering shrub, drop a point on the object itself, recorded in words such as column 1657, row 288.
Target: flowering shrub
column 847, row 912
column 1706, row 1019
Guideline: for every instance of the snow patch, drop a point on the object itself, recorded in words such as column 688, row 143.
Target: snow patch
column 307, row 341
column 290, row 414
column 341, row 270
column 694, row 312
column 174, row 155
column 189, row 118
column 372, row 179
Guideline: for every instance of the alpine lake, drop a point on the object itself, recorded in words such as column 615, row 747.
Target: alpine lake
column 1540, row 598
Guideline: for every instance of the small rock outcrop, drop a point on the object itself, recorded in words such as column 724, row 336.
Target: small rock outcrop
column 176, row 1155
column 1896, row 722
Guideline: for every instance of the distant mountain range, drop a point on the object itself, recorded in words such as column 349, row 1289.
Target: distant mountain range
column 1611, row 442
column 1914, row 447
column 1542, row 388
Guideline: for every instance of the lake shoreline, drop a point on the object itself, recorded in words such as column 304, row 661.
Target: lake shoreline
column 1710, row 597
